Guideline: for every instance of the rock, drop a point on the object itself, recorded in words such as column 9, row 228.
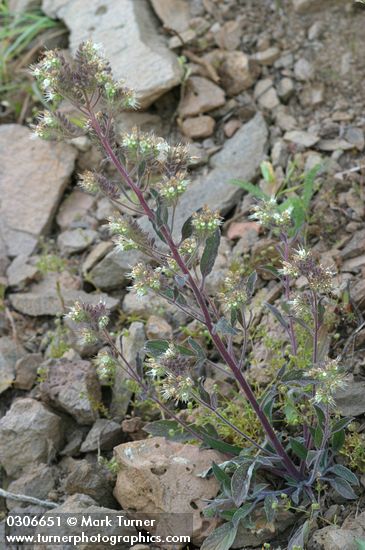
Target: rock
column 81, row 504
column 344, row 538
column 312, row 95
column 74, row 209
column 239, row 158
column 30, row 434
column 174, row 14
column 74, row 442
column 10, row 352
column 89, row 479
column 315, row 30
column 20, row 6
column 246, row 232
column 159, row 476
column 127, row 30
column 301, row 138
column 104, row 436
column 284, row 120
column 237, row 73
column 358, row 294
column 304, row 6
column 151, row 304
column 20, row 273
column 26, row 369
column 95, row 255
column 279, row 153
column 231, row 127
column 132, row 344
column 285, row 89
column 350, row 399
column 269, row 99
column 260, row 531
column 355, row 246
column 303, row 70
column 76, row 240
column 331, row 145
column 38, row 177
column 157, row 328
column 187, row 36
column 43, row 298
column 73, row 387
column 201, row 96
column 37, row 482
column 113, row 270
column 198, row 127
column 356, row 137
column 268, row 57
column 229, row 35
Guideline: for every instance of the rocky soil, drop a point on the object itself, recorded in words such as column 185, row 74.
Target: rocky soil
column 240, row 81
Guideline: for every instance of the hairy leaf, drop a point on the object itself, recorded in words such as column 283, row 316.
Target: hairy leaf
column 224, row 327
column 210, row 253
column 222, row 538
column 300, row 537
column 270, row 507
column 343, row 472
column 343, row 488
column 253, row 190
column 187, row 229
column 240, row 482
column 338, row 439
column 274, row 310
column 156, row 347
column 298, row 448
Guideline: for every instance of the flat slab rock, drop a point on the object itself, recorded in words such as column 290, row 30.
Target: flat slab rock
column 43, row 298
column 240, row 158
column 158, row 476
column 33, row 177
column 128, row 31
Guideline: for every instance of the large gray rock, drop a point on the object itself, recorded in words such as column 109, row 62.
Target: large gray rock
column 38, row 483
column 44, row 298
column 112, row 272
column 85, row 505
column 89, row 479
column 103, row 436
column 33, row 176
column 240, row 158
column 30, row 434
column 73, row 387
column 129, row 34
column 158, row 476
column 10, row 352
column 350, row 400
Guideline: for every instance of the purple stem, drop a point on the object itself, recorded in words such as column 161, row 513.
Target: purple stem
column 199, row 296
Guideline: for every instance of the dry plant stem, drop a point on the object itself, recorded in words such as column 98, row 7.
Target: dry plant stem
column 27, row 498
column 199, row 296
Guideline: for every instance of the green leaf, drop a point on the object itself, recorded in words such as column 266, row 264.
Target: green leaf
column 221, row 538
column 318, row 437
column 156, row 347
column 187, row 229
column 308, row 187
column 298, row 448
column 220, row 445
column 270, row 507
column 210, row 253
column 240, row 482
column 360, row 544
column 267, row 171
column 242, row 512
column 251, row 283
column 343, row 488
column 300, row 536
column 343, row 472
column 253, row 190
column 274, row 310
column 338, row 439
column 222, row 477
column 341, row 424
column 224, row 327
column 170, row 429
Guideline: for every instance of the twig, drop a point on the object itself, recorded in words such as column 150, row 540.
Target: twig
column 27, row 498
